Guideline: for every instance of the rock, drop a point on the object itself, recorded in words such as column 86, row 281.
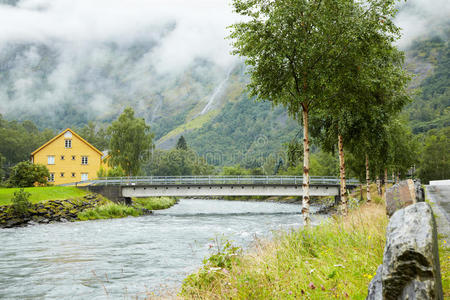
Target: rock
column 13, row 223
column 376, row 286
column 404, row 193
column 31, row 223
column 44, row 220
column 411, row 259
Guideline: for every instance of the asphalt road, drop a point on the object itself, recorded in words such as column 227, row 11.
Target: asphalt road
column 440, row 196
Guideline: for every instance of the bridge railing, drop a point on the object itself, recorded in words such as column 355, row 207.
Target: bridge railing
column 215, row 180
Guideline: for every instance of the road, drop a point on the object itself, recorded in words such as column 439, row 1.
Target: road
column 440, row 196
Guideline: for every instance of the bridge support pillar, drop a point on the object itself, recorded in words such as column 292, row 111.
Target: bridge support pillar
column 127, row 201
column 337, row 200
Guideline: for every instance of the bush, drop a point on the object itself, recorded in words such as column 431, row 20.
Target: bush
column 27, row 174
column 20, row 203
column 109, row 211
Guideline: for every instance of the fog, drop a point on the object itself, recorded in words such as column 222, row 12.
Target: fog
column 71, row 61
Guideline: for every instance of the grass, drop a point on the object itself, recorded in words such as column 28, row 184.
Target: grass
column 444, row 260
column 337, row 259
column 191, row 125
column 39, row 194
column 113, row 210
column 154, row 203
column 109, row 211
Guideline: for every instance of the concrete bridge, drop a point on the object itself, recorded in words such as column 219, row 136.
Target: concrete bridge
column 202, row 186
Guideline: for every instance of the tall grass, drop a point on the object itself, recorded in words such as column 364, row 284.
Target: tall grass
column 109, row 211
column 154, row 203
column 334, row 260
column 112, row 210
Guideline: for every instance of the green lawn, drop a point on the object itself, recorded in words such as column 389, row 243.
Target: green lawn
column 39, row 194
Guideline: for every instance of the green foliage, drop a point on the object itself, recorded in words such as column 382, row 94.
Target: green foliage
column 95, row 135
column 431, row 106
column 111, row 172
column 177, row 162
column 435, row 160
column 2, row 172
column 244, row 132
column 109, row 211
column 321, row 163
column 112, row 210
column 27, row 174
column 334, row 260
column 131, row 142
column 18, row 140
column 154, row 203
column 225, row 255
column 181, row 144
column 20, row 202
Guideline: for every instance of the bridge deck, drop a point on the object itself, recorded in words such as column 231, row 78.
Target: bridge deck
column 199, row 186
column 215, row 180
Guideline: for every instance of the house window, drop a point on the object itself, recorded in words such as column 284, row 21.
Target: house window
column 62, row 157
column 68, row 143
column 84, row 160
column 73, row 174
column 51, row 159
column 84, row 176
column 51, row 178
column 62, row 174
column 73, row 157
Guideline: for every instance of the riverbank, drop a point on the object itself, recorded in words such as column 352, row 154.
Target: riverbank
column 68, row 204
column 139, row 207
column 335, row 259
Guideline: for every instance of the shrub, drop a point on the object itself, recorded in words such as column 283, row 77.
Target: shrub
column 109, row 211
column 20, row 203
column 26, row 174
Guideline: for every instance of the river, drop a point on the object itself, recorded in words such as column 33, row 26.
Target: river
column 123, row 258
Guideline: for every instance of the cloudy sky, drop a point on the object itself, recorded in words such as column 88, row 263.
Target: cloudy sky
column 88, row 37
column 200, row 25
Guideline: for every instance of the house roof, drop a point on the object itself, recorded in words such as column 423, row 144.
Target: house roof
column 62, row 132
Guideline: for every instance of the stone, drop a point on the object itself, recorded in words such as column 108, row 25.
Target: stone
column 376, row 286
column 404, row 193
column 411, row 259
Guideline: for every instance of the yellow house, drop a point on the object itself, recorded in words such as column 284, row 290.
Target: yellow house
column 69, row 158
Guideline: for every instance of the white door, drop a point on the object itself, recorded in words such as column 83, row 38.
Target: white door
column 84, row 176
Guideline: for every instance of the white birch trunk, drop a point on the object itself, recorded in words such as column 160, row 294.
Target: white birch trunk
column 305, row 200
column 342, row 175
column 379, row 186
column 369, row 198
column 385, row 183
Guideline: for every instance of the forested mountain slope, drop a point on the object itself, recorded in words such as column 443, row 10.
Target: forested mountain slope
column 65, row 82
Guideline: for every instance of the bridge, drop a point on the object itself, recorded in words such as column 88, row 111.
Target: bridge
column 117, row 188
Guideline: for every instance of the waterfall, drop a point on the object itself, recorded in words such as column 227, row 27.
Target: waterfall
column 216, row 93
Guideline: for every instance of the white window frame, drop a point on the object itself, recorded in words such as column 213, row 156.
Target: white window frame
column 68, row 143
column 50, row 160
column 61, row 174
column 84, row 176
column 84, row 160
column 73, row 174
column 51, row 178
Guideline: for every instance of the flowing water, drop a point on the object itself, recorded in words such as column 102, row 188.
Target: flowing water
column 121, row 258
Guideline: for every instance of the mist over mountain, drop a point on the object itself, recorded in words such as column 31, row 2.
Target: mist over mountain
column 64, row 63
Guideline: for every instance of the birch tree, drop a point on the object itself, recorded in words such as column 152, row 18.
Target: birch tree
column 290, row 47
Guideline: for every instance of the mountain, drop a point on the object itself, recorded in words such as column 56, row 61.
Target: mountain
column 65, row 78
